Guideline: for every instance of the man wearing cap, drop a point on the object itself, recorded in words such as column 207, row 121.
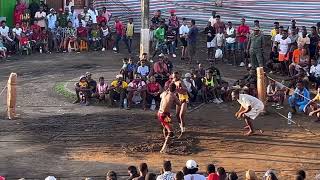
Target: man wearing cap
column 249, row 110
column 255, row 48
column 52, row 18
column 118, row 90
column 192, row 168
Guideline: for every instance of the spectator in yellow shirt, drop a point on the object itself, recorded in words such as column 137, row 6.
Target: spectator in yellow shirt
column 118, row 90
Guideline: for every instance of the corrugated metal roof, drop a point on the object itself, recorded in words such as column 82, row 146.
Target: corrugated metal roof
column 266, row 11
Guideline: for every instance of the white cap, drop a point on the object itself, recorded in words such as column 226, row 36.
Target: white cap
column 187, row 75
column 50, row 178
column 191, row 164
column 119, row 76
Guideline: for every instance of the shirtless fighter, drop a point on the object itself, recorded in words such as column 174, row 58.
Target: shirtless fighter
column 182, row 92
column 168, row 98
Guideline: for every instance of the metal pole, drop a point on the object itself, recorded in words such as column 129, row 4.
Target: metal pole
column 145, row 31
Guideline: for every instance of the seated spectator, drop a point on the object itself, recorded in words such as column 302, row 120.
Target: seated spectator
column 302, row 173
column 82, row 88
column 57, row 37
column 70, row 36
column 131, row 69
column 35, row 26
column 143, row 169
column 211, row 170
column 111, row 175
column 44, row 36
column 101, row 90
column 95, row 37
column 82, row 34
column 300, row 59
column 192, row 167
column 211, row 88
column 167, row 174
column 275, row 93
column 300, row 98
column 161, row 71
column 16, row 31
column 191, row 87
column 24, row 42
column 118, row 90
column 314, row 73
column 3, row 49
column 151, row 176
column 232, row 176
column 169, row 64
column 251, row 175
column 143, row 69
column 154, row 90
column 92, row 84
column 179, row 176
column 123, row 69
column 137, row 91
column 4, row 32
column 105, row 36
column 225, row 91
column 313, row 107
column 133, row 172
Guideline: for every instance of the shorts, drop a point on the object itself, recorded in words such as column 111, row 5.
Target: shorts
column 253, row 113
column 242, row 45
column 184, row 42
column 164, row 118
column 282, row 57
column 3, row 49
column 231, row 46
column 210, row 44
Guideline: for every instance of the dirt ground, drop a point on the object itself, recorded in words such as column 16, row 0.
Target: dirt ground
column 54, row 137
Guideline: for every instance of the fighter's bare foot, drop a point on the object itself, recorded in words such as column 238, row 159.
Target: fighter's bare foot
column 261, row 131
column 249, row 133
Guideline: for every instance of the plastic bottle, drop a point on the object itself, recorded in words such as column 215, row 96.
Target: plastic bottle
column 289, row 118
column 125, row 103
column 40, row 50
column 153, row 105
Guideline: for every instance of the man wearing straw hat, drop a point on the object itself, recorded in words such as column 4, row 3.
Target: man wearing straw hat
column 249, row 110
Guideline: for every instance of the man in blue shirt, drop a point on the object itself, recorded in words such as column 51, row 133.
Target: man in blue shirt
column 300, row 98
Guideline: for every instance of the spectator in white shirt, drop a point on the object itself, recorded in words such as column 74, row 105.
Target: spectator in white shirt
column 314, row 75
column 191, row 87
column 40, row 16
column 4, row 31
column 212, row 19
column 167, row 174
column 183, row 32
column 143, row 69
column 192, row 167
column 17, row 31
column 76, row 23
column 93, row 13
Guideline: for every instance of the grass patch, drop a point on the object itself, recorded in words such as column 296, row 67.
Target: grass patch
column 61, row 90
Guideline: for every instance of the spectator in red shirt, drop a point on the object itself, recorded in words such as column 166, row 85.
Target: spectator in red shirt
column 35, row 26
column 82, row 33
column 154, row 90
column 120, row 35
column 219, row 24
column 211, row 170
column 101, row 18
column 243, row 32
column 24, row 42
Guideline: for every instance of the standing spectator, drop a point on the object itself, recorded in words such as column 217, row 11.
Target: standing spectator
column 231, row 43
column 171, row 41
column 304, row 40
column 212, row 19
column 210, row 32
column 159, row 35
column 219, row 42
column 86, row 15
column 274, row 32
column 78, row 21
column 130, row 33
column 106, row 14
column 175, row 24
column 63, row 19
column 242, row 35
column 284, row 47
column 45, row 6
column 33, row 7
column 211, row 170
column 40, row 17
column 106, row 36
column 119, row 35
column 255, row 48
column 192, row 40
column 93, row 13
column 155, row 23
column 219, row 24
column 68, row 5
column 167, row 174
column 133, row 172
column 19, row 9
column 192, row 167
column 52, row 18
column 183, row 32
column 314, row 39
column 143, row 169
column 101, row 18
column 73, row 14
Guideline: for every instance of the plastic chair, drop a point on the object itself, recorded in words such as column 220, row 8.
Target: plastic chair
column 72, row 46
column 83, row 46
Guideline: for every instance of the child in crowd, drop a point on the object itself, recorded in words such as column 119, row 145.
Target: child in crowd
column 3, row 50
column 275, row 93
column 225, row 91
column 210, row 32
column 26, row 29
column 102, row 90
column 123, row 69
column 82, row 33
column 131, row 68
column 24, row 43
column 83, row 89
column 70, row 37
column 220, row 40
column 95, row 37
column 130, row 33
column 44, row 35
column 35, row 39
column 106, row 36
column 171, row 41
column 57, row 36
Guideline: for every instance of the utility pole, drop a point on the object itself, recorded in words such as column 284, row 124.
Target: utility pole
column 145, row 31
